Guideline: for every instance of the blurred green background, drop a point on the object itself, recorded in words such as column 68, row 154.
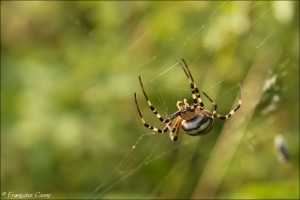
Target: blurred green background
column 69, row 126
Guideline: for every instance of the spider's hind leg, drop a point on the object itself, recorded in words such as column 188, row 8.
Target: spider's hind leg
column 218, row 116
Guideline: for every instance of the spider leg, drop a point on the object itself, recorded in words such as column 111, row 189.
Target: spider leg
column 195, row 91
column 215, row 105
column 174, row 130
column 173, row 116
column 150, row 105
column 233, row 110
column 144, row 122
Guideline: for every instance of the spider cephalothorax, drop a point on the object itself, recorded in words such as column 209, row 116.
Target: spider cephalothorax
column 194, row 120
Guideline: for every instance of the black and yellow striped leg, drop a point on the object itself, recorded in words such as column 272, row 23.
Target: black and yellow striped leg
column 176, row 114
column 174, row 130
column 150, row 105
column 215, row 105
column 174, row 133
column 233, row 110
column 195, row 92
column 144, row 122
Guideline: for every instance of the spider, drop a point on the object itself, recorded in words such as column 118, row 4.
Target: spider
column 194, row 120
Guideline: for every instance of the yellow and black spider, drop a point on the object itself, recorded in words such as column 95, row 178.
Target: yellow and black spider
column 189, row 118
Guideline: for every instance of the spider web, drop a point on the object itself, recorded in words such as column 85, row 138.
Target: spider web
column 168, row 79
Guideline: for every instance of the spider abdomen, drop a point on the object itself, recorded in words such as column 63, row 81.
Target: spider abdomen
column 194, row 123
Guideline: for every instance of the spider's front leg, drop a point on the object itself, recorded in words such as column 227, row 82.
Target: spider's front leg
column 195, row 91
column 173, row 116
column 152, row 108
column 144, row 122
